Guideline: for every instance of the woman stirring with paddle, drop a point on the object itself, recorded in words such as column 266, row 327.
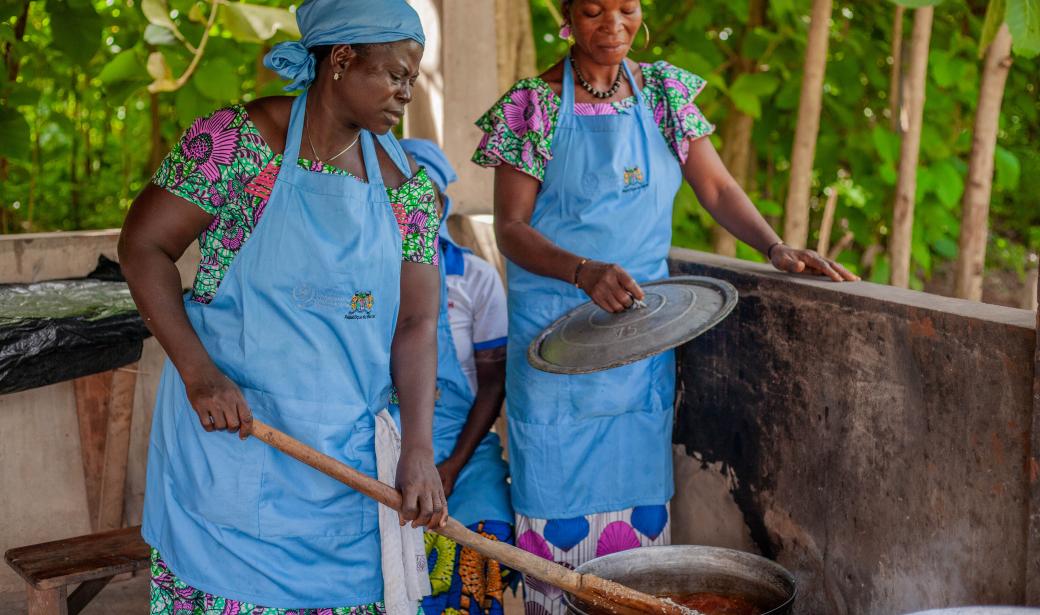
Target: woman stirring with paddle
column 588, row 158
column 301, row 312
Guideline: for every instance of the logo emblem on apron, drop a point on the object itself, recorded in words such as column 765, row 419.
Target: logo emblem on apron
column 634, row 178
column 361, row 305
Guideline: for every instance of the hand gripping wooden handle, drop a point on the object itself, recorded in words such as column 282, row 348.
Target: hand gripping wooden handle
column 607, row 595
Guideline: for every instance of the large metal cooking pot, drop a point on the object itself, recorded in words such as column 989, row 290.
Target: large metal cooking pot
column 982, row 610
column 686, row 569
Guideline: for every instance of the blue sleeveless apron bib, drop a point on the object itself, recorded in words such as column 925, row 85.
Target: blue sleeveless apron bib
column 596, row 442
column 481, row 490
column 302, row 323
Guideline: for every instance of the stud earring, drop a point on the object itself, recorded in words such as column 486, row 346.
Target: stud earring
column 336, row 76
column 565, row 31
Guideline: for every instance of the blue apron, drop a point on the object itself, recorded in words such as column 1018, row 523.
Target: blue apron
column 302, row 323
column 596, row 442
column 481, row 491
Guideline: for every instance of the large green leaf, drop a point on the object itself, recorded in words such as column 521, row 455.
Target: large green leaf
column 157, row 12
column 949, row 183
column 218, row 80
column 748, row 90
column 75, row 30
column 995, row 11
column 257, row 24
column 1007, row 169
column 15, row 144
column 1023, row 20
column 124, row 66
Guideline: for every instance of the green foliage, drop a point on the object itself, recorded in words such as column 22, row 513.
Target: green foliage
column 858, row 149
column 1023, row 20
column 78, row 140
column 77, row 121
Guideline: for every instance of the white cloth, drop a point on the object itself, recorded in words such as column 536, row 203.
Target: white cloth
column 477, row 312
column 405, row 577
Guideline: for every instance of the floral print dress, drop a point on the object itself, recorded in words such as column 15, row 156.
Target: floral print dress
column 225, row 167
column 519, row 129
column 518, row 132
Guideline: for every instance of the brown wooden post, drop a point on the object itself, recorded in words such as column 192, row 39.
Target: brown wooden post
column 46, row 601
column 104, row 406
column 1033, row 476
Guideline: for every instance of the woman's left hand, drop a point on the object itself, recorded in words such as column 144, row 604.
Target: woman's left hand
column 794, row 260
column 420, row 485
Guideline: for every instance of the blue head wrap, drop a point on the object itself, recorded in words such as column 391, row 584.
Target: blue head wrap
column 341, row 22
column 429, row 155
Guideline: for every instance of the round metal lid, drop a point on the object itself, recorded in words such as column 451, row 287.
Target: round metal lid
column 588, row 339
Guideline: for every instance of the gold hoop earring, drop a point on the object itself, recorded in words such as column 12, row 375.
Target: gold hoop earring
column 646, row 29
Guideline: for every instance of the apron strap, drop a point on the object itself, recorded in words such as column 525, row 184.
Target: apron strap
column 393, row 149
column 368, row 150
column 291, row 154
column 632, row 81
column 567, row 99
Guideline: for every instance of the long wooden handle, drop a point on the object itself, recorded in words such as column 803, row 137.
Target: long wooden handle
column 614, row 597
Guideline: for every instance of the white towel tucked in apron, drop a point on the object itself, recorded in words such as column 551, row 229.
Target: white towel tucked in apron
column 405, row 577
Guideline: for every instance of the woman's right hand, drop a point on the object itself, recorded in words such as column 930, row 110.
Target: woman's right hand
column 608, row 285
column 219, row 403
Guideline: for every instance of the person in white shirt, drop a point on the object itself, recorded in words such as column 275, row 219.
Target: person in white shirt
column 471, row 359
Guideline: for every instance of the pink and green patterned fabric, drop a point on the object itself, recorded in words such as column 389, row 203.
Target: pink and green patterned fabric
column 572, row 542
column 519, row 129
column 171, row 596
column 225, row 167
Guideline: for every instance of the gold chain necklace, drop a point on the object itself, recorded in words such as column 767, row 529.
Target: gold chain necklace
column 322, row 161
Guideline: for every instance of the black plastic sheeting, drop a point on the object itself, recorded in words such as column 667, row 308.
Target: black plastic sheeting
column 64, row 329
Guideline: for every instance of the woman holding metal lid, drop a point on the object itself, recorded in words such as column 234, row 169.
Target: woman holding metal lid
column 318, row 282
column 588, row 158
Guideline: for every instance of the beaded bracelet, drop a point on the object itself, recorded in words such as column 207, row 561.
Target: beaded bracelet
column 577, row 270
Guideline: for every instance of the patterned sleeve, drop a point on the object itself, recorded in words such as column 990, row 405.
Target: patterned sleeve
column 415, row 207
column 671, row 91
column 518, row 130
column 201, row 168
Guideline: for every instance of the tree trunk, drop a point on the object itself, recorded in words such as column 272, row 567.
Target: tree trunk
column 796, row 209
column 736, row 155
column 906, row 188
column 737, row 151
column 74, row 196
column 895, row 89
column 971, row 258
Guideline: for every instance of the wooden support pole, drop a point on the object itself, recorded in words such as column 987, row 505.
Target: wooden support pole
column 104, row 406
column 46, row 601
column 79, row 599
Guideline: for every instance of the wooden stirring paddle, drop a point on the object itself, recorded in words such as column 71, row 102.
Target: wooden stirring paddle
column 603, row 594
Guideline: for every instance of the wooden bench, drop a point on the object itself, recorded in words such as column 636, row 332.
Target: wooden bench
column 92, row 561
